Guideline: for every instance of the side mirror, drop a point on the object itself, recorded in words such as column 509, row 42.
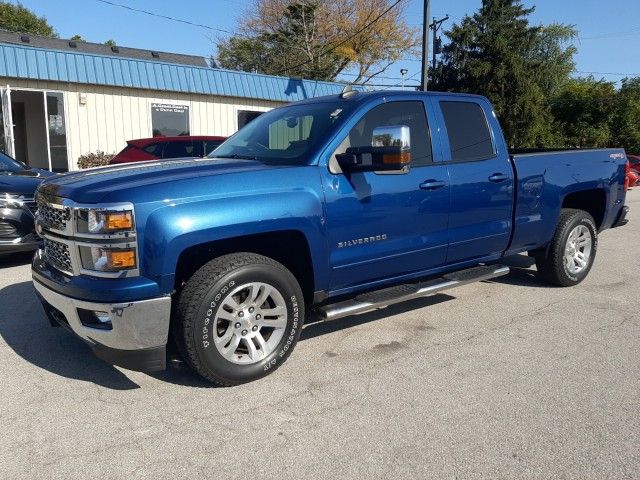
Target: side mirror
column 390, row 150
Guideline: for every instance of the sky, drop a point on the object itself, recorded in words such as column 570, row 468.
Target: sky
column 608, row 43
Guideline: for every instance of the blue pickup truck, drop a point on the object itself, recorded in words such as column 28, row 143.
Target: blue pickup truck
column 333, row 206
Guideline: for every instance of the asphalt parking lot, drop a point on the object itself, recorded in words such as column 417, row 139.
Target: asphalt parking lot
column 501, row 379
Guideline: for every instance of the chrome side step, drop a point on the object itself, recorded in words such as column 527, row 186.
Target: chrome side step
column 378, row 299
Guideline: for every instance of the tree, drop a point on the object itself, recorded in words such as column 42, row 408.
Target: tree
column 625, row 123
column 319, row 39
column 78, row 38
column 497, row 53
column 110, row 43
column 583, row 112
column 17, row 18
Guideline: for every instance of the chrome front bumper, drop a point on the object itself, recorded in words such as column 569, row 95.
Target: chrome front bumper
column 139, row 330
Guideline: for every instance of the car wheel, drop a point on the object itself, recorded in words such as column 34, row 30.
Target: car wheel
column 238, row 318
column 572, row 251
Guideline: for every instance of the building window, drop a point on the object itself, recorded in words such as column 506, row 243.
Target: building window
column 169, row 120
column 245, row 116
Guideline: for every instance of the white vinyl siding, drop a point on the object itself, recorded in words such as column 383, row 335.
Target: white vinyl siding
column 113, row 115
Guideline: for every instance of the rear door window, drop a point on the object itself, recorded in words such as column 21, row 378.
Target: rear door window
column 468, row 130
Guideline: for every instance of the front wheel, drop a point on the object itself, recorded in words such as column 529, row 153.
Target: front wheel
column 238, row 318
column 572, row 251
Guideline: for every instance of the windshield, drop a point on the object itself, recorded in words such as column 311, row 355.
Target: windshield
column 8, row 164
column 284, row 135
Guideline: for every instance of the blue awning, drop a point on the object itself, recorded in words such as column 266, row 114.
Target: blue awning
column 18, row 61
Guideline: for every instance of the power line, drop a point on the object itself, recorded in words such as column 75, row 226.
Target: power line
column 408, row 78
column 375, row 76
column 610, row 73
column 167, row 17
column 339, row 44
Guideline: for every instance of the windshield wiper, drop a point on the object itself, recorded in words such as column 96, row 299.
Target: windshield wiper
column 237, row 156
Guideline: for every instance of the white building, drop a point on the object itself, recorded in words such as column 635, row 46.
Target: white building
column 62, row 99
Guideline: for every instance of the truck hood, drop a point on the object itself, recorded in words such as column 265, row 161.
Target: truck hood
column 22, row 182
column 99, row 184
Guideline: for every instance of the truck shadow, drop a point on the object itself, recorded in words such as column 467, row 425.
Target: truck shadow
column 521, row 273
column 26, row 330
column 315, row 327
column 15, row 259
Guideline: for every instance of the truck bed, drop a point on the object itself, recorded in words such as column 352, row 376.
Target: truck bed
column 550, row 179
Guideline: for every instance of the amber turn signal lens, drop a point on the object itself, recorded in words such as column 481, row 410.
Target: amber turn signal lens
column 395, row 158
column 121, row 258
column 119, row 221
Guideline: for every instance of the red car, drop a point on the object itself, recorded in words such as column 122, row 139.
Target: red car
column 157, row 148
column 632, row 177
column 634, row 162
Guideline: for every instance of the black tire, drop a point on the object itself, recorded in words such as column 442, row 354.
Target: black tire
column 203, row 294
column 550, row 262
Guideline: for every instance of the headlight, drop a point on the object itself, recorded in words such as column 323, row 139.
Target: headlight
column 8, row 200
column 102, row 259
column 105, row 221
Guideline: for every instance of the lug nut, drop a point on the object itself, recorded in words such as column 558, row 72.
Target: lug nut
column 241, row 314
column 244, row 332
column 258, row 317
column 238, row 325
column 251, row 310
column 255, row 328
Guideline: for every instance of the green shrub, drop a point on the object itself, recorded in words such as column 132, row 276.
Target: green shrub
column 94, row 159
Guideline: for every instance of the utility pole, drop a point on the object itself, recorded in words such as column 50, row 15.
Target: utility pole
column 435, row 26
column 425, row 45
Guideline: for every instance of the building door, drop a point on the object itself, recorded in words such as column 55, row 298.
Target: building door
column 30, row 128
column 6, row 131
column 57, row 133
column 19, row 132
column 33, row 128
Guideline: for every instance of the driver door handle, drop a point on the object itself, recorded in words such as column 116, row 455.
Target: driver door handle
column 498, row 177
column 432, row 184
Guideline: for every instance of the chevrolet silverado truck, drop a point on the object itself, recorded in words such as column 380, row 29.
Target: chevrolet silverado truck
column 332, row 206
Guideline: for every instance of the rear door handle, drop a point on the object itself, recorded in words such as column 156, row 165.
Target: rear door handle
column 432, row 184
column 498, row 177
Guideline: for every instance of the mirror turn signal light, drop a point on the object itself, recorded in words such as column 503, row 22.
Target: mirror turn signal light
column 402, row 158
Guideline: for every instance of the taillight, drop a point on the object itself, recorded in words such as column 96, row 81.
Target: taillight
column 627, row 175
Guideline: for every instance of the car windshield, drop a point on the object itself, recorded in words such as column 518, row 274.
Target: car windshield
column 285, row 135
column 8, row 164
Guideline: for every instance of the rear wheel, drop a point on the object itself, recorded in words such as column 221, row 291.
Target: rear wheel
column 572, row 251
column 239, row 318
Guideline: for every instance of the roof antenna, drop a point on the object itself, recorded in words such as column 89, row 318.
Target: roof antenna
column 348, row 91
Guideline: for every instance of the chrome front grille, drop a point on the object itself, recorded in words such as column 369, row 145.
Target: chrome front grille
column 61, row 223
column 7, row 230
column 56, row 217
column 58, row 255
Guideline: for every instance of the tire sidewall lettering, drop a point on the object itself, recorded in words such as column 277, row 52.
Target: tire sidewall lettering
column 210, row 313
column 206, row 332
